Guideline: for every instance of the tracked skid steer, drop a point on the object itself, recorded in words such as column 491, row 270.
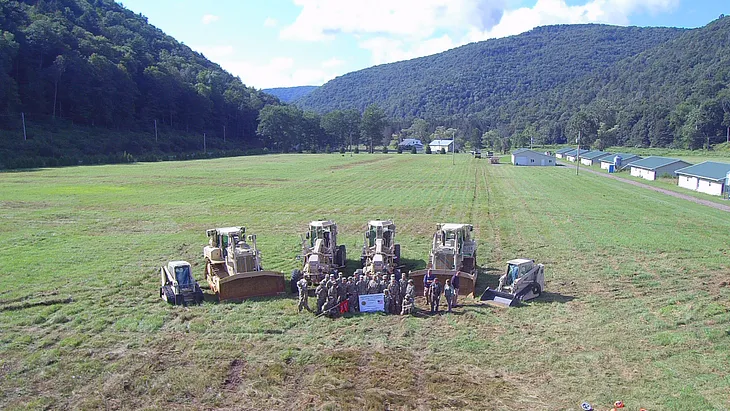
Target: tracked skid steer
column 524, row 280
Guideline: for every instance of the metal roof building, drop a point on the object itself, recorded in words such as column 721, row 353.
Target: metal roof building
column 709, row 177
column 652, row 167
column 626, row 158
column 593, row 157
column 527, row 157
column 574, row 154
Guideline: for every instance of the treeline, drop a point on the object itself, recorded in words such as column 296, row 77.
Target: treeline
column 94, row 63
column 649, row 87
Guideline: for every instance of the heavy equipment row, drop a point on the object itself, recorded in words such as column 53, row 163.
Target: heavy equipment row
column 234, row 271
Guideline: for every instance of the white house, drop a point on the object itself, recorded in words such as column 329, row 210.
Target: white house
column 626, row 159
column 708, row 177
column 654, row 167
column 527, row 157
column 561, row 153
column 437, row 145
column 408, row 143
column 574, row 154
column 593, row 157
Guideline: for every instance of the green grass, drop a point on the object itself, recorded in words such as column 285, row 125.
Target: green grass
column 637, row 303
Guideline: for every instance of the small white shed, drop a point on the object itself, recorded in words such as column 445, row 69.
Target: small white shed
column 593, row 157
column 626, row 158
column 654, row 167
column 708, row 177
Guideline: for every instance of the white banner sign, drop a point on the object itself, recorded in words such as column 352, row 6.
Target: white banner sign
column 372, row 303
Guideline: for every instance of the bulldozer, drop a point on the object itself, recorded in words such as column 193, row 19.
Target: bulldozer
column 320, row 253
column 233, row 266
column 178, row 287
column 380, row 253
column 453, row 250
column 524, row 280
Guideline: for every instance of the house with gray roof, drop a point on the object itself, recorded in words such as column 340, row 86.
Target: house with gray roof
column 574, row 154
column 709, row 177
column 561, row 153
column 409, row 143
column 527, row 157
column 654, row 167
column 626, row 159
column 592, row 158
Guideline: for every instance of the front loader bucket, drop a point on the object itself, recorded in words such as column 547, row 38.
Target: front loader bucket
column 251, row 284
column 467, row 281
column 499, row 298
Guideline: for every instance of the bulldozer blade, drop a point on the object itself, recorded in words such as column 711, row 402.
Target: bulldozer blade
column 500, row 299
column 252, row 284
column 467, row 281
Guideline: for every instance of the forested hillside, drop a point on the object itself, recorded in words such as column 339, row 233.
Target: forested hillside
column 289, row 94
column 76, row 68
column 617, row 85
column 487, row 74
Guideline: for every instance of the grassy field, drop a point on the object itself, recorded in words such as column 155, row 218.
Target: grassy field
column 637, row 306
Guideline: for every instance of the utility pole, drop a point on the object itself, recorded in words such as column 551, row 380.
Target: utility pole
column 205, row 148
column 728, row 134
column 25, row 135
column 453, row 152
column 577, row 154
column 224, row 134
column 155, row 131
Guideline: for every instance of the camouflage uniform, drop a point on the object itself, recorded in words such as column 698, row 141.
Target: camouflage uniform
column 386, row 301
column 383, row 284
column 303, row 295
column 341, row 290
column 331, row 299
column 408, row 305
column 394, row 292
column 352, row 295
column 321, row 292
column 403, row 285
column 373, row 286
column 362, row 285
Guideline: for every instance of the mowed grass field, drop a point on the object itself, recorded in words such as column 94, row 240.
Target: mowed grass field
column 637, row 303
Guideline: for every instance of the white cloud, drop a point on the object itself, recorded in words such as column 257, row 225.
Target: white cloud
column 393, row 30
column 333, row 62
column 210, row 18
column 271, row 22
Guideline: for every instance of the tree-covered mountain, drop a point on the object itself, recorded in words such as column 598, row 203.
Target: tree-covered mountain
column 289, row 94
column 93, row 64
column 487, row 74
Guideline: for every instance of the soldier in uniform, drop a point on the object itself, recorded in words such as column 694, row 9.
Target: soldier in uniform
column 434, row 293
column 303, row 295
column 321, row 292
column 403, row 284
column 341, row 289
column 384, row 283
column 362, row 285
column 331, row 299
column 373, row 286
column 386, row 301
column 409, row 299
column 395, row 297
column 427, row 281
column 352, row 295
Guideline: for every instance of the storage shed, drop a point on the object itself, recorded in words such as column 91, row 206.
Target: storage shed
column 561, row 153
column 437, row 145
column 574, row 154
column 652, row 167
column 527, row 157
column 708, row 177
column 626, row 158
column 592, row 158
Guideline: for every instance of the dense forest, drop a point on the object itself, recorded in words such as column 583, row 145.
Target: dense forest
column 616, row 85
column 84, row 72
column 289, row 94
column 88, row 81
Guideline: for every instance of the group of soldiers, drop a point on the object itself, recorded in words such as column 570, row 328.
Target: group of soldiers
column 337, row 294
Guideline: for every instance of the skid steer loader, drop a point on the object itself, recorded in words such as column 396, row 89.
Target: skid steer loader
column 524, row 280
column 453, row 250
column 178, row 285
column 320, row 253
column 233, row 266
column 380, row 253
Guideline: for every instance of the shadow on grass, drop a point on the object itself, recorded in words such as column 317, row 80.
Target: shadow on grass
column 408, row 264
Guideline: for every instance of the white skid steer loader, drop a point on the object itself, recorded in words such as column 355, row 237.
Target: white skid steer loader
column 524, row 280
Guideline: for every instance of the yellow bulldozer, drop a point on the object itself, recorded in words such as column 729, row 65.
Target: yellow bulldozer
column 453, row 250
column 320, row 253
column 380, row 253
column 233, row 266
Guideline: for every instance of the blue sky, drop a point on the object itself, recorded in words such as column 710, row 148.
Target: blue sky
column 282, row 43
